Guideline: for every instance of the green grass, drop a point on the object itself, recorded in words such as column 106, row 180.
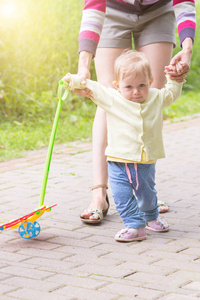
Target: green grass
column 18, row 137
column 187, row 104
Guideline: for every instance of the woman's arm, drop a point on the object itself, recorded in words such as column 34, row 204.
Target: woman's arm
column 85, row 58
column 91, row 25
column 185, row 14
column 180, row 63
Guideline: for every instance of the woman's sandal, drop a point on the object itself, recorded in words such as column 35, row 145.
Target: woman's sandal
column 162, row 207
column 100, row 213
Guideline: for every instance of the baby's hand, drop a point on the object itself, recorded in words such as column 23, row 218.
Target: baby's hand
column 170, row 69
column 82, row 91
column 67, row 78
column 175, row 71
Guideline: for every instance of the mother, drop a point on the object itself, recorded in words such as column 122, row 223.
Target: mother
column 107, row 28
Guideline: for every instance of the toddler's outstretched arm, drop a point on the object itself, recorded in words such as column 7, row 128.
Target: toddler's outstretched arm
column 98, row 93
column 87, row 92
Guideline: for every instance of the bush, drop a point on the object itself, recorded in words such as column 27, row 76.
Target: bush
column 38, row 46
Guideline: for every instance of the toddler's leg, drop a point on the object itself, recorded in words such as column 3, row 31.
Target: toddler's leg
column 126, row 204
column 147, row 198
column 146, row 192
column 125, row 201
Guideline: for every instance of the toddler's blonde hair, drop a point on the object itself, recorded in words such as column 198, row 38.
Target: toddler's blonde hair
column 132, row 62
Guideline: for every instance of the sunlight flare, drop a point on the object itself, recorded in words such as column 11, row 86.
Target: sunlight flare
column 8, row 9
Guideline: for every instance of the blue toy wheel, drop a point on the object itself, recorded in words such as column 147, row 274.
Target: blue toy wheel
column 37, row 228
column 27, row 230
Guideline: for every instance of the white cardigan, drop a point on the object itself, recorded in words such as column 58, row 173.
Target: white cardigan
column 133, row 127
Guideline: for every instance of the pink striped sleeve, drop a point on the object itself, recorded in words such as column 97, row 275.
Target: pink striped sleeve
column 95, row 4
column 89, row 35
column 185, row 18
column 181, row 1
column 91, row 25
column 185, row 24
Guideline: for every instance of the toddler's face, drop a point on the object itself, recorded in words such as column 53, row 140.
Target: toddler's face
column 134, row 88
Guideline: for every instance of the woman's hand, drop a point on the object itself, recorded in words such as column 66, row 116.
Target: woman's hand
column 84, row 63
column 84, row 74
column 180, row 63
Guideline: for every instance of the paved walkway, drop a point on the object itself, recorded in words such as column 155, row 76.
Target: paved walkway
column 70, row 260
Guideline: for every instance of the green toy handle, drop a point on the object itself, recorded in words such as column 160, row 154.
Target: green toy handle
column 62, row 95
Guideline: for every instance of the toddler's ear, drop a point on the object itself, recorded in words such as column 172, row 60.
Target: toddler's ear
column 116, row 85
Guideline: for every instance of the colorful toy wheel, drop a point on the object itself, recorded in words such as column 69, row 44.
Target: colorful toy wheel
column 27, row 230
column 37, row 228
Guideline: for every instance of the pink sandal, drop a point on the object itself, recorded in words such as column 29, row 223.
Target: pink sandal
column 131, row 234
column 158, row 225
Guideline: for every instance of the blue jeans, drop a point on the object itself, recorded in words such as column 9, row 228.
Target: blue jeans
column 136, row 207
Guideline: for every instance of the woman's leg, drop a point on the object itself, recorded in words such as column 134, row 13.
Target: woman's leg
column 159, row 55
column 104, row 63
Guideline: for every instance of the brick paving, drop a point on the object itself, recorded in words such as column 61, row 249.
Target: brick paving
column 70, row 260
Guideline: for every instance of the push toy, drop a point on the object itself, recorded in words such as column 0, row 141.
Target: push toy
column 27, row 225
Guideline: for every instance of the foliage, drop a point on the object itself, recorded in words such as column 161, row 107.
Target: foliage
column 18, row 137
column 187, row 104
column 38, row 46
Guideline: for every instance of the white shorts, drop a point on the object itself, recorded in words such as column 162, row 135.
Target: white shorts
column 121, row 29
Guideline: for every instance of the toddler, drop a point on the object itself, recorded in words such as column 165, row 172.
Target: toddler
column 134, row 127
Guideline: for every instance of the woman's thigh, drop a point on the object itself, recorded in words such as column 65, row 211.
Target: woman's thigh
column 155, row 26
column 159, row 55
column 153, row 34
column 104, row 64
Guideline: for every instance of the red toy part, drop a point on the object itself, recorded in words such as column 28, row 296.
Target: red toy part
column 17, row 222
